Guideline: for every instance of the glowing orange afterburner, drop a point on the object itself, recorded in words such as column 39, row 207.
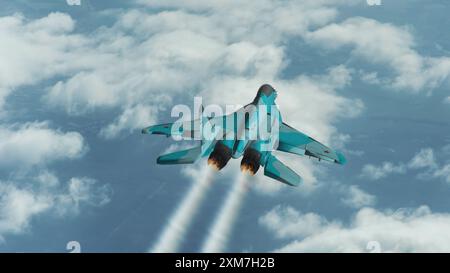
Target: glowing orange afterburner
column 214, row 164
column 245, row 168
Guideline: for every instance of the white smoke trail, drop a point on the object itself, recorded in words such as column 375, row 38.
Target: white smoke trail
column 175, row 230
column 219, row 233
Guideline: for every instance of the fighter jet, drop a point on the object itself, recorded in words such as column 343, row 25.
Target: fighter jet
column 239, row 134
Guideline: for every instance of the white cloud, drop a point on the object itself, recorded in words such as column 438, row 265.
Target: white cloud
column 35, row 143
column 147, row 57
column 238, row 19
column 377, row 172
column 423, row 159
column 163, row 58
column 18, row 206
column 408, row 230
column 47, row 179
column 24, row 195
column 21, row 202
column 354, row 197
column 370, row 77
column 308, row 93
column 34, row 50
column 443, row 172
column 28, row 196
column 286, row 222
column 385, row 44
column 132, row 118
column 82, row 191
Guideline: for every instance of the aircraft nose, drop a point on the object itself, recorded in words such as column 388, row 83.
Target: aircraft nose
column 266, row 89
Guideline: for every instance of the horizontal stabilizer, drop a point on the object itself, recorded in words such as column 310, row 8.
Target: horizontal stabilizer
column 277, row 170
column 188, row 156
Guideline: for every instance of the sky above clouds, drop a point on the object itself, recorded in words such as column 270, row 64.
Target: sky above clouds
column 77, row 83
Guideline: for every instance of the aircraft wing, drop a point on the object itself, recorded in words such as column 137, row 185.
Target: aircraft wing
column 295, row 142
column 187, row 130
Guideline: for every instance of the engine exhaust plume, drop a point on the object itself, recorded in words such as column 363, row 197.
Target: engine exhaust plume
column 248, row 169
column 220, row 231
column 175, row 230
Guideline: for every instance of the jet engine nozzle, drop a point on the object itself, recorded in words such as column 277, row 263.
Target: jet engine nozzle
column 219, row 156
column 251, row 161
column 246, row 168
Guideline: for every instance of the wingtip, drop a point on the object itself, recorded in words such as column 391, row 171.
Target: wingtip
column 299, row 182
column 341, row 158
column 148, row 130
column 163, row 160
column 159, row 161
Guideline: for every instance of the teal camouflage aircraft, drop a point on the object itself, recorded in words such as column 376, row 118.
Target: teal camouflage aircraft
column 253, row 132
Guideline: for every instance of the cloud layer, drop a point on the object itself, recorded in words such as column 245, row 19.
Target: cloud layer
column 423, row 161
column 407, row 230
column 388, row 45
column 21, row 201
column 35, row 143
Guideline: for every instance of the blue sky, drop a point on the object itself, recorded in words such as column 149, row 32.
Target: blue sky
column 77, row 83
